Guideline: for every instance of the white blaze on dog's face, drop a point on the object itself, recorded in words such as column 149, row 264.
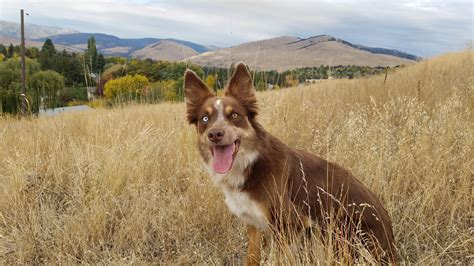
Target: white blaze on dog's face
column 225, row 134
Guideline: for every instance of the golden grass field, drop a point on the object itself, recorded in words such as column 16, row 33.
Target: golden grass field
column 126, row 185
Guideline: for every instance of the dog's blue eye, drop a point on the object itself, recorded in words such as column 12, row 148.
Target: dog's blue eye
column 205, row 119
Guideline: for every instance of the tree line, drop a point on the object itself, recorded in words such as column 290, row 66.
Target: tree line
column 163, row 81
column 54, row 78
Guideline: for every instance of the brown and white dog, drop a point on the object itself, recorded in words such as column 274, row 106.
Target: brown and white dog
column 269, row 185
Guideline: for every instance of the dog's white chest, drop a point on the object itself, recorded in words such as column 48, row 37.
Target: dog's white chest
column 245, row 208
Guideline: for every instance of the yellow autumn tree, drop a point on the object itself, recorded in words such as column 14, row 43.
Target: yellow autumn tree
column 128, row 85
column 211, row 81
column 165, row 90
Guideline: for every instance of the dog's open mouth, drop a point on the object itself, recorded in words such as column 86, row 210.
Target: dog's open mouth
column 223, row 156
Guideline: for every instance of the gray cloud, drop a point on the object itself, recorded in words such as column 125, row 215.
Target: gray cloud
column 422, row 27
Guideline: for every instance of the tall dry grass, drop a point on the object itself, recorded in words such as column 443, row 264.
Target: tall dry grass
column 126, row 185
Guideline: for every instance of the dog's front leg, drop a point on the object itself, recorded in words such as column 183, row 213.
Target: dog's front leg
column 253, row 253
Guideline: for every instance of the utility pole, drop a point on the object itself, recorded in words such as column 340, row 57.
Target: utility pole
column 23, row 66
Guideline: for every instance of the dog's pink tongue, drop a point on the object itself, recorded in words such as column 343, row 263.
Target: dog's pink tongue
column 223, row 158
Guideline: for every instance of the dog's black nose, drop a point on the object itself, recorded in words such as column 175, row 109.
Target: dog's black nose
column 215, row 135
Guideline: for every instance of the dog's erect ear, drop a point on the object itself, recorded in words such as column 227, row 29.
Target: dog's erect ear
column 196, row 93
column 241, row 88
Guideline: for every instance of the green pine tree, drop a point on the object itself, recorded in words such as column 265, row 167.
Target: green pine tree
column 100, row 63
column 47, row 55
column 91, row 55
column 48, row 48
column 10, row 51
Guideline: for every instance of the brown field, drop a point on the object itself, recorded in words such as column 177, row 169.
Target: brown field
column 126, row 185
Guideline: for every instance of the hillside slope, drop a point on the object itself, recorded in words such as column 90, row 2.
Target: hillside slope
column 288, row 52
column 126, row 185
column 164, row 50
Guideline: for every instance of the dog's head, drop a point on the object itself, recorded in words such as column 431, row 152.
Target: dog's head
column 225, row 133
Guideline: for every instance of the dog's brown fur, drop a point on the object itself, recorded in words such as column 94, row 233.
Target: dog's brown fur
column 272, row 186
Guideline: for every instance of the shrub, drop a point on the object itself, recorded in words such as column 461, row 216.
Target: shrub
column 128, row 87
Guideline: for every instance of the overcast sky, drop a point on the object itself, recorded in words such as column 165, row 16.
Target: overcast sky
column 425, row 28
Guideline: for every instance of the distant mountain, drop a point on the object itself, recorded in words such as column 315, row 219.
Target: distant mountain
column 113, row 45
column 165, row 50
column 279, row 53
column 32, row 31
column 289, row 52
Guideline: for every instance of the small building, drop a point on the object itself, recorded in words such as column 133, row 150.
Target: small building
column 310, row 81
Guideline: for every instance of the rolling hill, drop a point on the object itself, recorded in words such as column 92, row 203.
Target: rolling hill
column 165, row 50
column 289, row 52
